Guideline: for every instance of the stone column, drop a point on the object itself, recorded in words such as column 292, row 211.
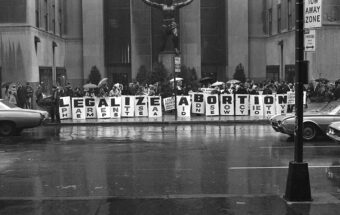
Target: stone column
column 190, row 35
column 141, row 45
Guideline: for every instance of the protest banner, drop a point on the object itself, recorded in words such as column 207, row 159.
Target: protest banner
column 128, row 106
column 90, row 108
column 241, row 105
column 155, row 106
column 103, row 108
column 198, row 104
column 291, row 98
column 65, row 108
column 269, row 105
column 169, row 103
column 256, row 105
column 227, row 105
column 281, row 103
column 115, row 107
column 183, row 106
column 78, row 108
column 141, row 106
column 212, row 105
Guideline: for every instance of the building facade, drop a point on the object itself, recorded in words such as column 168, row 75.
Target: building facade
column 58, row 41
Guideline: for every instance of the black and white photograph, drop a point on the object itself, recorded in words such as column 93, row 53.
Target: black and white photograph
column 170, row 107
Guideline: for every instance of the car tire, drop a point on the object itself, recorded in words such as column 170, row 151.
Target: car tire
column 7, row 128
column 310, row 131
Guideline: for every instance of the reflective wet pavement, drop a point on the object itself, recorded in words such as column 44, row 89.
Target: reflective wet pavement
column 198, row 169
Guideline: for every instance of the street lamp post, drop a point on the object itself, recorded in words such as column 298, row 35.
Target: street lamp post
column 298, row 185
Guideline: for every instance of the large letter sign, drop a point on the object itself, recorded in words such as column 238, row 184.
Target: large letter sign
column 241, row 105
column 115, row 107
column 155, row 106
column 281, row 104
column 198, row 103
column 212, row 105
column 78, row 108
column 103, row 108
column 183, row 106
column 90, row 108
column 141, row 106
column 128, row 106
column 269, row 105
column 312, row 14
column 256, row 105
column 227, row 105
column 65, row 108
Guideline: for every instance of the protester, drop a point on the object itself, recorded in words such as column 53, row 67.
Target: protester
column 55, row 104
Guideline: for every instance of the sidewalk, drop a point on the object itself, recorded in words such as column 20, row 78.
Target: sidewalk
column 166, row 120
column 170, row 119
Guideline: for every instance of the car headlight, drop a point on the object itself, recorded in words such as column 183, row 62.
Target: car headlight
column 331, row 131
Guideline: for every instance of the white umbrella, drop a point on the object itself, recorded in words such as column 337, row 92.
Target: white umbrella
column 233, row 81
column 177, row 79
column 102, row 82
column 217, row 83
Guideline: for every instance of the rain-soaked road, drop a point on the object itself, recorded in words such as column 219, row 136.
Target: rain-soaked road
column 200, row 169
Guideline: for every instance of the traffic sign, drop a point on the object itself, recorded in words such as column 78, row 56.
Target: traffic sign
column 177, row 61
column 309, row 40
column 312, row 14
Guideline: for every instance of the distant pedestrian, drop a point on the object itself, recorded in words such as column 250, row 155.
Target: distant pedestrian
column 29, row 96
column 55, row 104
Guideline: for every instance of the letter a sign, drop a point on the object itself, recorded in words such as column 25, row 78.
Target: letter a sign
column 312, row 14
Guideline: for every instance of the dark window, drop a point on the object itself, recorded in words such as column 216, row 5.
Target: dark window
column 270, row 21
column 290, row 15
column 37, row 13
column 61, row 76
column 45, row 76
column 13, row 11
column 117, row 32
column 213, row 38
column 279, row 18
column 273, row 72
column 53, row 19
column 60, row 18
column 290, row 73
column 46, row 14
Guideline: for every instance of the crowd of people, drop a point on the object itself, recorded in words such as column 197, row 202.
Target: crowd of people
column 22, row 94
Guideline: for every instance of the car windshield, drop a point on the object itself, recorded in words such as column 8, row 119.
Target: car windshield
column 6, row 105
column 335, row 111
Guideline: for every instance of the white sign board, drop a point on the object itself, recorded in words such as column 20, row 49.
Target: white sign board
column 183, row 106
column 169, row 103
column 155, row 106
column 256, row 105
column 312, row 14
column 65, row 108
column 227, row 105
column 212, row 105
column 198, row 104
column 141, row 106
column 309, row 40
column 128, row 106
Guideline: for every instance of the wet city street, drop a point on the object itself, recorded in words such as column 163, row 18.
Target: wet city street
column 185, row 169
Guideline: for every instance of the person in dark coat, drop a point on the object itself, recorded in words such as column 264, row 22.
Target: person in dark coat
column 55, row 104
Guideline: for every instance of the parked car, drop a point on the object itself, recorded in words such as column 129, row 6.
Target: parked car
column 334, row 131
column 14, row 119
column 314, row 123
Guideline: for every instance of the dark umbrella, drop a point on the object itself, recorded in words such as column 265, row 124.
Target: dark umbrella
column 5, row 84
column 324, row 80
column 206, row 79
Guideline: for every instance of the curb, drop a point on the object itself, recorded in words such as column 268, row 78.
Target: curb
column 169, row 123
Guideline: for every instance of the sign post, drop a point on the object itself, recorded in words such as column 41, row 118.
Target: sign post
column 309, row 40
column 298, row 185
column 177, row 69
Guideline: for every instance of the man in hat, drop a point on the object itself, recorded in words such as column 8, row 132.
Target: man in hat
column 55, row 104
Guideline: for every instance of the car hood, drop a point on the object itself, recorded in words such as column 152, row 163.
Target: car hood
column 31, row 111
column 335, row 125
column 281, row 117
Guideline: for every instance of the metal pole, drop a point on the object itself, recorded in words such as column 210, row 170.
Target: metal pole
column 299, row 58
column 298, row 185
column 175, row 87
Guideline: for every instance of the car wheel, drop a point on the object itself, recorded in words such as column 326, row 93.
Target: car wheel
column 309, row 131
column 6, row 128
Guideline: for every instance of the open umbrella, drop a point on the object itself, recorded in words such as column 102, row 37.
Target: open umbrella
column 206, row 79
column 102, row 82
column 90, row 86
column 5, row 84
column 177, row 79
column 217, row 83
column 234, row 81
column 323, row 80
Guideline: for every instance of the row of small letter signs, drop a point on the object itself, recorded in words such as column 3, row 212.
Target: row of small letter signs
column 196, row 103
